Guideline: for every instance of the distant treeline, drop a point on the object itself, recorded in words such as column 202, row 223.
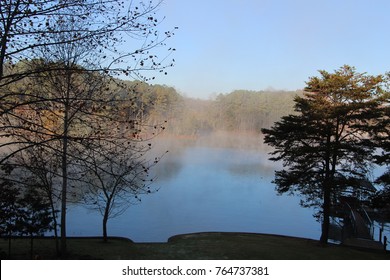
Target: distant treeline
column 240, row 110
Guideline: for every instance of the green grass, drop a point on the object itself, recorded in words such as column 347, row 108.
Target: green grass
column 196, row 246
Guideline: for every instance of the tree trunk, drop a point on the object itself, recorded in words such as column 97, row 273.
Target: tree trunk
column 4, row 41
column 326, row 215
column 63, row 197
column 53, row 213
column 105, row 219
column 49, row 193
column 326, row 190
column 331, row 162
column 65, row 171
column 106, row 216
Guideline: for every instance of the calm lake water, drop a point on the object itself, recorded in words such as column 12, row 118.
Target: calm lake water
column 203, row 188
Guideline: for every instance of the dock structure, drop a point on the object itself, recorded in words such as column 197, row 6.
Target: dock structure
column 358, row 228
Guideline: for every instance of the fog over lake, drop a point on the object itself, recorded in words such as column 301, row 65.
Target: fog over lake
column 206, row 187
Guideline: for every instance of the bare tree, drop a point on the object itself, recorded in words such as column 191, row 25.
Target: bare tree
column 26, row 26
column 54, row 86
column 116, row 179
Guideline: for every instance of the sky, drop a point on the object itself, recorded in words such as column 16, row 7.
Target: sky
column 224, row 45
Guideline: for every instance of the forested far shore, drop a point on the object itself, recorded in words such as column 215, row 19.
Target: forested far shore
column 238, row 111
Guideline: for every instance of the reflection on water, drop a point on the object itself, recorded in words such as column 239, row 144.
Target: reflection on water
column 206, row 189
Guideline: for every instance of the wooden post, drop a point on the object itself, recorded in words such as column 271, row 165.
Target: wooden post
column 385, row 242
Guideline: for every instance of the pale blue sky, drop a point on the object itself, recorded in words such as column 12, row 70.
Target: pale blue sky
column 223, row 45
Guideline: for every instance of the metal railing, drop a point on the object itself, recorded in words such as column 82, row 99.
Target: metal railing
column 367, row 220
column 352, row 218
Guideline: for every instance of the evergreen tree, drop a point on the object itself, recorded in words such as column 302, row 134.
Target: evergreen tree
column 325, row 148
column 9, row 211
column 35, row 215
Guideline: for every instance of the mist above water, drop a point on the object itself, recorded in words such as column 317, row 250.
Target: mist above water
column 218, row 182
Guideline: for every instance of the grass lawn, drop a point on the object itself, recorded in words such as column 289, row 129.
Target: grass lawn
column 195, row 246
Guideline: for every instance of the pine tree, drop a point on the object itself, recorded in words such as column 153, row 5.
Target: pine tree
column 325, row 146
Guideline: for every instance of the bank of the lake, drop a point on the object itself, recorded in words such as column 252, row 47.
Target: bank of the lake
column 197, row 246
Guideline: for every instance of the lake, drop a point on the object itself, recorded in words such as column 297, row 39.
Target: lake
column 205, row 188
